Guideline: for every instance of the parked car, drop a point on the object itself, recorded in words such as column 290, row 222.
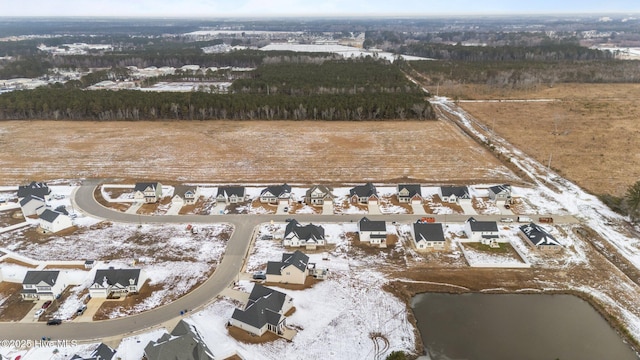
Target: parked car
column 286, row 209
column 46, row 304
column 81, row 310
column 54, row 322
column 38, row 313
column 259, row 276
column 506, row 220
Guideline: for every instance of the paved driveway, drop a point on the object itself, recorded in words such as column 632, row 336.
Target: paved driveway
column 374, row 209
column 418, row 209
column 133, row 209
column 327, row 208
column 174, row 209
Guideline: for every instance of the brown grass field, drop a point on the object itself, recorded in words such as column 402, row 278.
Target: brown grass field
column 245, row 152
column 592, row 134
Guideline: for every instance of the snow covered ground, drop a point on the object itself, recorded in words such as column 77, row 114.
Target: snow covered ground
column 348, row 52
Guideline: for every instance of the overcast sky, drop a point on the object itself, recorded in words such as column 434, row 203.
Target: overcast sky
column 254, row 8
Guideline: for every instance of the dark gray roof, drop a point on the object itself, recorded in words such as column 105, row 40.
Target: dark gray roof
column 298, row 259
column 38, row 189
column 482, row 226
column 368, row 225
column 413, row 189
column 33, row 277
column 228, row 191
column 428, row 232
column 102, row 352
column 142, row 186
column 29, row 198
column 117, row 276
column 365, row 190
column 538, row 235
column 307, row 232
column 458, row 191
column 184, row 343
column 49, row 215
column 181, row 190
column 500, row 188
column 277, row 190
column 264, row 307
column 323, row 189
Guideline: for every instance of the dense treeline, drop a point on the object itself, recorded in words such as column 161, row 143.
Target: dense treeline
column 330, row 77
column 76, row 104
column 544, row 52
column 521, row 74
column 27, row 67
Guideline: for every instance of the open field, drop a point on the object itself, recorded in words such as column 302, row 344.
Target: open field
column 245, row 151
column 592, row 134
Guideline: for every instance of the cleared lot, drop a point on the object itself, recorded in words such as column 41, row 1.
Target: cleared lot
column 245, row 151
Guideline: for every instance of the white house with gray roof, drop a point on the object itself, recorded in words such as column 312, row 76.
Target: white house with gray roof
column 485, row 232
column 428, row 236
column 454, row 194
column 265, row 311
column 117, row 282
column 537, row 237
column 54, row 221
column 37, row 189
column 184, row 343
column 32, row 205
column 500, row 193
column 231, row 194
column 42, row 285
column 276, row 194
column 364, row 194
column 409, row 193
column 149, row 192
column 293, row 269
column 309, row 236
column 373, row 232
column 317, row 195
column 185, row 194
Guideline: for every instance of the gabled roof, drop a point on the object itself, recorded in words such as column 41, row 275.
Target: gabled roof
column 102, row 352
column 182, row 190
column 116, row 277
column 482, row 226
column 307, row 232
column 38, row 189
column 277, row 190
column 365, row 190
column 458, row 191
column 297, row 258
column 323, row 189
column 428, row 232
column 413, row 189
column 184, row 343
column 34, row 277
column 538, row 235
column 500, row 188
column 228, row 191
column 368, row 225
column 49, row 215
column 27, row 199
column 142, row 186
column 264, row 307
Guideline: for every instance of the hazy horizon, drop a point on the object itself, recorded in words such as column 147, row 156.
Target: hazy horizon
column 300, row 8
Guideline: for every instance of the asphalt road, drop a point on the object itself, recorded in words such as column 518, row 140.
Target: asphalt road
column 226, row 271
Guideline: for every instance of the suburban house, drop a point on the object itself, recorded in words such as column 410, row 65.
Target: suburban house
column 409, row 193
column 37, row 189
column 428, row 236
column 42, row 284
column 485, row 232
column 293, row 269
column 309, row 236
column 363, row 194
column 538, row 237
column 149, row 192
column 32, row 205
column 184, row 343
column 373, row 232
column 185, row 195
column 264, row 312
column 275, row 194
column 102, row 352
column 500, row 193
column 317, row 195
column 116, row 282
column 54, row 221
column 454, row 194
column 231, row 194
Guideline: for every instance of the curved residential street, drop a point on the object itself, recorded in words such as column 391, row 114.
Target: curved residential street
column 226, row 272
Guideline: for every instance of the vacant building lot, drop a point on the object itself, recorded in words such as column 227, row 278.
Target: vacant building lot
column 245, row 151
column 591, row 134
